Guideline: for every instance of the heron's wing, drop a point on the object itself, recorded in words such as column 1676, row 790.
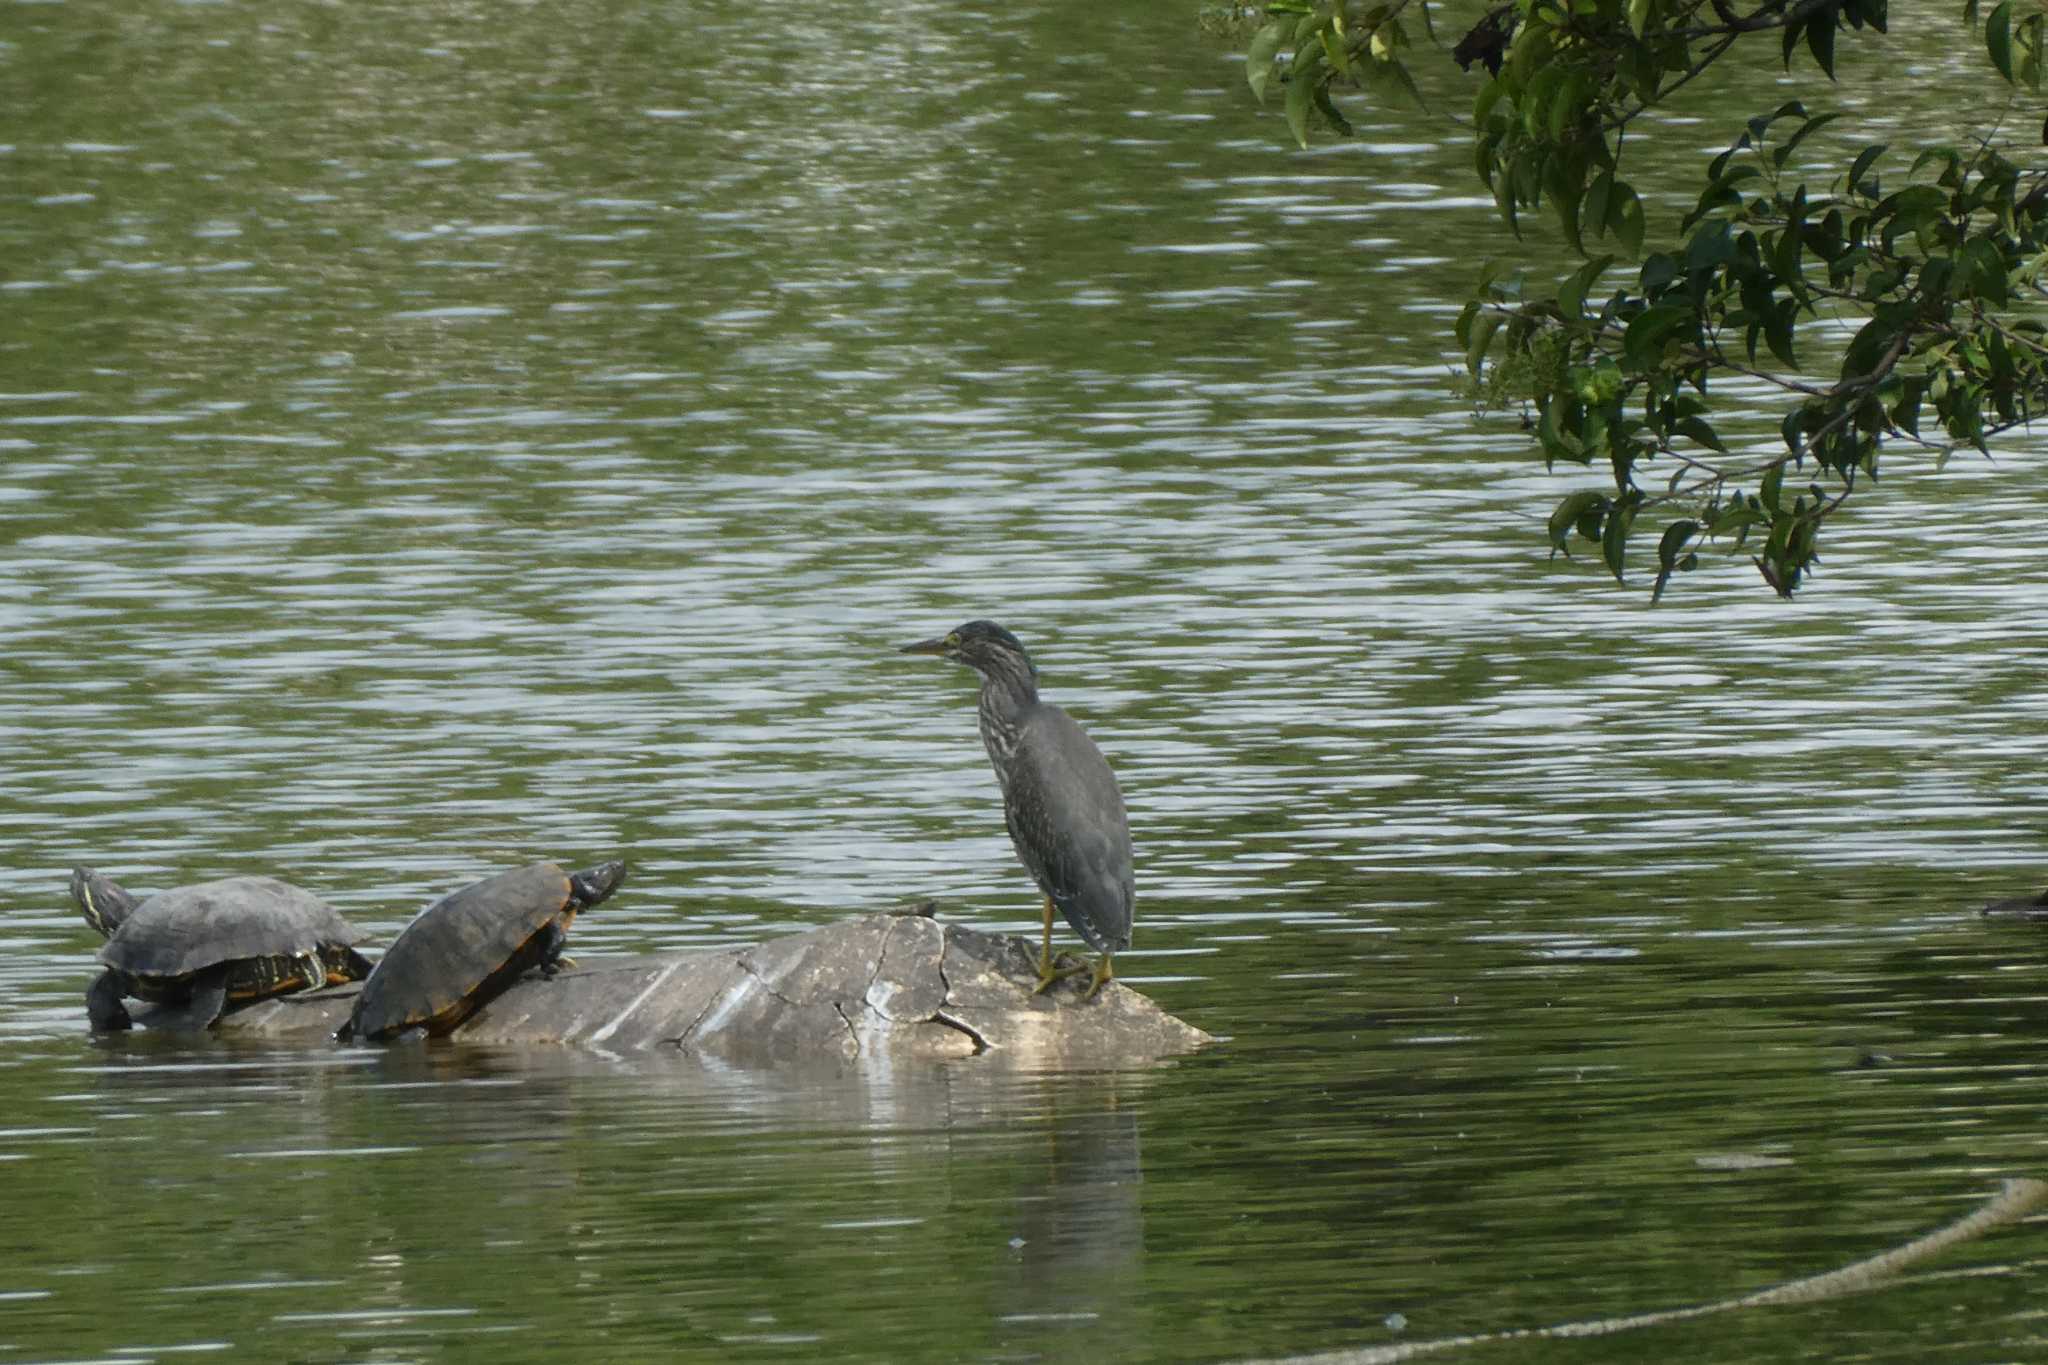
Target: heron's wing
column 1066, row 818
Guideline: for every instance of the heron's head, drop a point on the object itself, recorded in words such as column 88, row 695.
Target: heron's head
column 983, row 646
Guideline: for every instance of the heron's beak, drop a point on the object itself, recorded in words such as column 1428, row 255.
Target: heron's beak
column 935, row 645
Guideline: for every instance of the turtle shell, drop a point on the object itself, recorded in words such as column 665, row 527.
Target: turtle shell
column 176, row 933
column 200, row 949
column 466, row 949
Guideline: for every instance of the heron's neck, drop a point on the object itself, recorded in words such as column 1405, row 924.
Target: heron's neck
column 1007, row 692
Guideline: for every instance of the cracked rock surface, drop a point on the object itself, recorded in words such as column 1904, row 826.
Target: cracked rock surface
column 876, row 986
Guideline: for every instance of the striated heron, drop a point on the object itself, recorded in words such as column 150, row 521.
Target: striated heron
column 1060, row 800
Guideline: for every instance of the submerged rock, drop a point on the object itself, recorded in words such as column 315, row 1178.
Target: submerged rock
column 2021, row 907
column 899, row 985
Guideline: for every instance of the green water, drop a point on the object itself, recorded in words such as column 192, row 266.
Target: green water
column 436, row 437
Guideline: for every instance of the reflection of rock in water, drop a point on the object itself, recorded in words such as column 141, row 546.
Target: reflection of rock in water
column 1077, row 1253
column 486, row 1179
column 268, row 1199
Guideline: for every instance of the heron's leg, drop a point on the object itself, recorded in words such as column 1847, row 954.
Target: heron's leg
column 1048, row 970
column 1046, row 974
column 1104, row 974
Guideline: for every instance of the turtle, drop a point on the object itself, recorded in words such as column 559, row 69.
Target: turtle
column 199, row 950
column 466, row 949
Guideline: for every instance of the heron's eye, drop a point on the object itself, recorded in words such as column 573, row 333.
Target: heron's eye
column 953, row 638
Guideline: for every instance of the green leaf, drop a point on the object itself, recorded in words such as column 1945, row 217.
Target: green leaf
column 1554, row 428
column 1535, row 101
column 1638, row 17
column 1307, row 51
column 1483, row 328
column 1712, row 247
column 1614, row 539
column 1862, row 163
column 1951, row 159
column 1675, row 537
column 1778, row 332
column 1504, row 199
column 1648, row 330
column 1820, row 40
column 1643, row 72
column 1790, row 38
column 1482, row 103
column 1569, row 513
column 1769, row 490
column 1785, row 253
column 1669, row 561
column 1630, row 229
column 1596, row 209
column 1571, row 295
column 1405, row 80
column 1699, row 431
column 1569, row 105
column 1328, row 109
column 1812, row 125
column 1564, row 179
column 1300, row 95
column 1905, row 413
column 1936, row 275
column 1866, row 350
column 1259, row 55
column 1990, row 281
column 1334, row 52
column 1998, row 38
column 1720, row 193
column 1530, row 52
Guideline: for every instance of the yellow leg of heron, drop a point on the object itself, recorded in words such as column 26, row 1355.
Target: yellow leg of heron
column 1048, row 970
column 1046, row 974
column 1104, row 974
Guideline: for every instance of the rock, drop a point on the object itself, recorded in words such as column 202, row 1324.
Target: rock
column 888, row 984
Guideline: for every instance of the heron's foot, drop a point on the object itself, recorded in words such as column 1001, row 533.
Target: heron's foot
column 1057, row 970
column 1104, row 974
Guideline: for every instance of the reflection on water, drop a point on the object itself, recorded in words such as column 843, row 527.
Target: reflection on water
column 432, row 444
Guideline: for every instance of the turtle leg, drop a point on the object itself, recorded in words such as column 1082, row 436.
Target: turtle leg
column 554, row 937
column 209, row 997
column 355, row 967
column 103, row 1004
